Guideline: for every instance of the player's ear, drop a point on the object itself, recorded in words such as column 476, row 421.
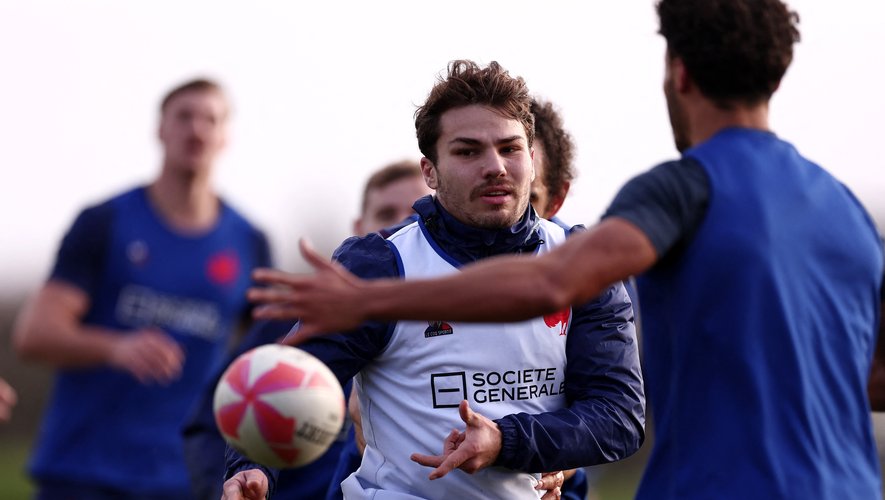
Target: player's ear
column 555, row 202
column 681, row 77
column 532, row 156
column 428, row 170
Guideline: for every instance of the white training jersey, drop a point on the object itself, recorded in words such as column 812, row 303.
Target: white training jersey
column 409, row 394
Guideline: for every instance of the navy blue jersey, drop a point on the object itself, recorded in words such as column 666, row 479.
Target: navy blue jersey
column 759, row 324
column 102, row 426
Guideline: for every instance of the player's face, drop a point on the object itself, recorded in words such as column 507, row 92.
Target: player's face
column 193, row 130
column 390, row 205
column 678, row 118
column 484, row 167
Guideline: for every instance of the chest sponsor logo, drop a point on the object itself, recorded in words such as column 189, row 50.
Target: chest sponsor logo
column 140, row 307
column 438, row 328
column 450, row 388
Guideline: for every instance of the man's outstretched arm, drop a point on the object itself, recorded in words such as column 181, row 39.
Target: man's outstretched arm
column 496, row 289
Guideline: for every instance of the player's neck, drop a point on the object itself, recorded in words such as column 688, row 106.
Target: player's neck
column 186, row 203
column 708, row 120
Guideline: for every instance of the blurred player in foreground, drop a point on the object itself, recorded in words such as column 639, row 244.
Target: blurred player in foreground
column 759, row 276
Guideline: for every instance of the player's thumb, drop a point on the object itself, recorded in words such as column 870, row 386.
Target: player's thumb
column 311, row 256
column 467, row 414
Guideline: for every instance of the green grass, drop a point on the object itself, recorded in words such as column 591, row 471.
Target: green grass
column 14, row 482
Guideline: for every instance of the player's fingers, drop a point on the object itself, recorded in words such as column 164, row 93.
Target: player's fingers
column 451, row 462
column 427, row 460
column 311, row 256
column 232, row 489
column 163, row 357
column 275, row 311
column 306, row 331
column 550, row 480
column 272, row 276
column 270, row 294
column 7, row 393
column 452, row 441
column 256, row 485
column 554, row 494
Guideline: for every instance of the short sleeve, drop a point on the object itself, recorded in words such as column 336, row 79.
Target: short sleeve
column 82, row 252
column 667, row 203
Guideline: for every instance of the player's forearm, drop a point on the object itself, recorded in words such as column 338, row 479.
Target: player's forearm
column 497, row 289
column 588, row 433
column 65, row 346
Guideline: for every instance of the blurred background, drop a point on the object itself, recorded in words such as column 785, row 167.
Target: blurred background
column 324, row 93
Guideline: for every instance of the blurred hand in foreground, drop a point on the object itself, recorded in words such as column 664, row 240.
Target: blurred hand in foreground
column 326, row 301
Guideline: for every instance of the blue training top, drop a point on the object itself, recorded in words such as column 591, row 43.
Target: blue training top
column 759, row 332
column 102, row 427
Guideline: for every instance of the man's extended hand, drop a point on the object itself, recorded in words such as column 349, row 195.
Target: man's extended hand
column 472, row 450
column 246, row 485
column 327, row 301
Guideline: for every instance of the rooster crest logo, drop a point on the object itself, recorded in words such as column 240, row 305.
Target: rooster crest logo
column 558, row 319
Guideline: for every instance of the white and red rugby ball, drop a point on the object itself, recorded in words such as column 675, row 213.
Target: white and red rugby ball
column 279, row 406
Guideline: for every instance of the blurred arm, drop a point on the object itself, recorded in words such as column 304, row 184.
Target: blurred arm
column 8, row 398
column 49, row 329
column 517, row 288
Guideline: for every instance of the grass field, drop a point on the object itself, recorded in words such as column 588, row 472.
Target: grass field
column 14, row 484
column 616, row 482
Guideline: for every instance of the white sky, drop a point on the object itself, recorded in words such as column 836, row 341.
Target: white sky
column 324, row 93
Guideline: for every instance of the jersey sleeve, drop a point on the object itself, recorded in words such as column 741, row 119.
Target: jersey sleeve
column 667, row 203
column 83, row 249
column 605, row 417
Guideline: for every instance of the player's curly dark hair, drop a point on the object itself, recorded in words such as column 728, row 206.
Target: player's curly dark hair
column 465, row 84
column 736, row 51
column 559, row 147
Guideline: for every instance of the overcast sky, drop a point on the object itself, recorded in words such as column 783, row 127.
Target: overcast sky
column 324, row 93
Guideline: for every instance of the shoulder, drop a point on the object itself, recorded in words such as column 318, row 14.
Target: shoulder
column 666, row 203
column 235, row 218
column 667, row 179
column 367, row 256
column 96, row 219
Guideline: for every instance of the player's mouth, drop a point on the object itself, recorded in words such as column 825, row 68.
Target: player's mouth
column 495, row 195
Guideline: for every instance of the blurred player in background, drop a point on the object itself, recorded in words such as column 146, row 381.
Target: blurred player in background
column 759, row 273
column 580, row 366
column 554, row 153
column 146, row 290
